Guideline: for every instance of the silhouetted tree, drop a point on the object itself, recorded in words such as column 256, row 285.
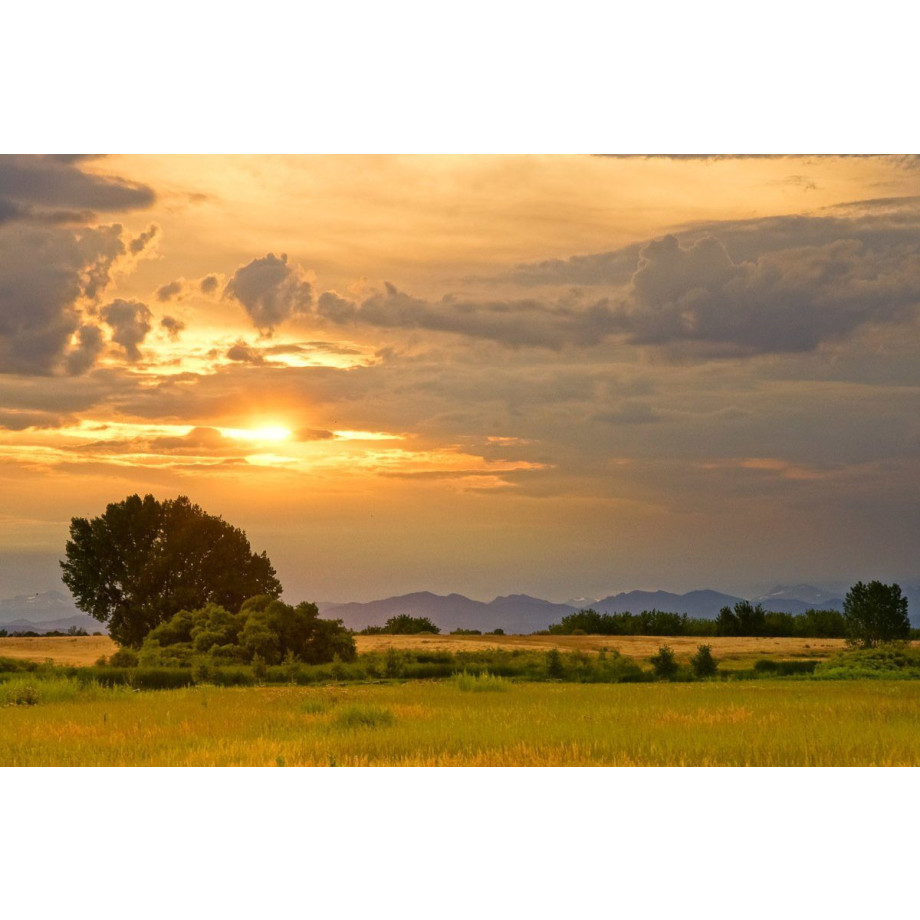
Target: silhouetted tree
column 875, row 613
column 143, row 560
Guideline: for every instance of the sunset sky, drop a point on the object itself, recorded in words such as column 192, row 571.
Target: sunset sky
column 562, row 375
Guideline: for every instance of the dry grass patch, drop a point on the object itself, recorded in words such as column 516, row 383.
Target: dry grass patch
column 66, row 650
column 723, row 647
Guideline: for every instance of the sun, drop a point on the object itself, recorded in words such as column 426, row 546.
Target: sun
column 265, row 433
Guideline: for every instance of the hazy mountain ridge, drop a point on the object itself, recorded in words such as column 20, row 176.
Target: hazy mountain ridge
column 47, row 611
column 520, row 613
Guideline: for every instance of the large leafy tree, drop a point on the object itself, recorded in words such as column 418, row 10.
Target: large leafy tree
column 875, row 613
column 142, row 561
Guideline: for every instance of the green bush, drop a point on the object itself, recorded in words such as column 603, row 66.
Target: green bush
column 17, row 665
column 138, row 678
column 884, row 661
column 263, row 627
column 702, row 663
column 394, row 663
column 784, row 668
column 664, row 663
column 123, row 658
column 555, row 669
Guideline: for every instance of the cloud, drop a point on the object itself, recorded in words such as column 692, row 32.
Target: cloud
column 247, row 354
column 168, row 291
column 198, row 439
column 629, row 413
column 208, row 284
column 130, row 322
column 16, row 420
column 270, row 291
column 52, row 274
column 40, row 185
column 90, row 344
column 784, row 301
column 312, row 434
column 48, row 275
column 512, row 323
column 141, row 243
column 606, row 268
column 172, row 326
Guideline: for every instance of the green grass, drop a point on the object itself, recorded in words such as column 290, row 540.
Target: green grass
column 431, row 723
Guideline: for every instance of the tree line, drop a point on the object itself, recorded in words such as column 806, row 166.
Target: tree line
column 872, row 614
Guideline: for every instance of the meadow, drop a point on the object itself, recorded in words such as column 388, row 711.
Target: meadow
column 467, row 721
column 496, row 702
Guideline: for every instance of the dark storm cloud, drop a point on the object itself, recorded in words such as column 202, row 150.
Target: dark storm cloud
column 168, row 291
column 172, row 326
column 44, row 272
column 130, row 322
column 270, row 291
column 43, row 182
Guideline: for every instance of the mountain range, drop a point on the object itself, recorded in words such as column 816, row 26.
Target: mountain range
column 514, row 613
column 520, row 613
column 47, row 611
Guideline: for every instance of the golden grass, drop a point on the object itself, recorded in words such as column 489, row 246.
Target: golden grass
column 757, row 723
column 723, row 647
column 68, row 650
column 85, row 650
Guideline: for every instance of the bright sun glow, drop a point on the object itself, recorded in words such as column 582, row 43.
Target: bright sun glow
column 269, row 433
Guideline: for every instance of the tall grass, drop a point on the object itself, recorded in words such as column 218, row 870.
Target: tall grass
column 479, row 683
column 750, row 723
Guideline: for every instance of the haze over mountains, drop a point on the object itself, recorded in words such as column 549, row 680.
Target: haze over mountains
column 520, row 613
column 514, row 613
column 47, row 611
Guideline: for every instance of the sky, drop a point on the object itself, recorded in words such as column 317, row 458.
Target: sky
column 557, row 375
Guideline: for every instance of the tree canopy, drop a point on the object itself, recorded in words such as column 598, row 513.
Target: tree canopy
column 875, row 613
column 143, row 560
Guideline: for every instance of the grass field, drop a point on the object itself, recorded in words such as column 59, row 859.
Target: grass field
column 71, row 650
column 448, row 723
column 84, row 650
